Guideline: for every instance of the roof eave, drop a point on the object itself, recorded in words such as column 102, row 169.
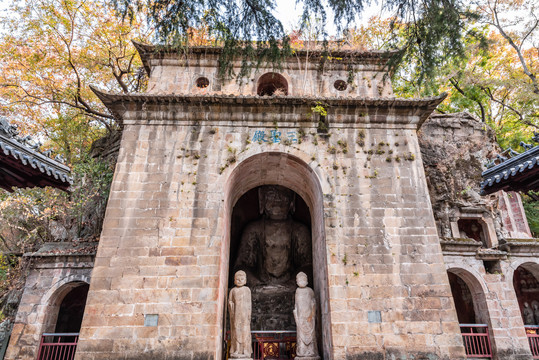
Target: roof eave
column 118, row 103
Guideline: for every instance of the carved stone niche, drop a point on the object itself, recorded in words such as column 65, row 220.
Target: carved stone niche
column 473, row 224
column 271, row 242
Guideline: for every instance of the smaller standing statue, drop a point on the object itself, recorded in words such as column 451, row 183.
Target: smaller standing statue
column 535, row 306
column 239, row 305
column 305, row 315
column 527, row 313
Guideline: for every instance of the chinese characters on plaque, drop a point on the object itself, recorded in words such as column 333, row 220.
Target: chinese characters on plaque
column 275, row 136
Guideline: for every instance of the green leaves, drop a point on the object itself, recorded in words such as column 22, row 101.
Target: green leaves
column 431, row 30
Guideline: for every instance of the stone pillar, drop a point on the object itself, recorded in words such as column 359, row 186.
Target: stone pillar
column 513, row 215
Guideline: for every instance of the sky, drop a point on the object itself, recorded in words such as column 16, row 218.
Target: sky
column 288, row 14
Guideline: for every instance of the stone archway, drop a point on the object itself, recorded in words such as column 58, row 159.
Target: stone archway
column 526, row 285
column 65, row 308
column 459, row 278
column 472, row 312
column 276, row 168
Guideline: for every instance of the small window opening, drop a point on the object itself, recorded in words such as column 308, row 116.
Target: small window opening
column 492, row 267
column 272, row 84
column 340, row 85
column 202, row 82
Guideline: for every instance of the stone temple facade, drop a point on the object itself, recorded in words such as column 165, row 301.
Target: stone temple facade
column 393, row 275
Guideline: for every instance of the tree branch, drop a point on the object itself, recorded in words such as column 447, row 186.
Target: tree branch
column 457, row 87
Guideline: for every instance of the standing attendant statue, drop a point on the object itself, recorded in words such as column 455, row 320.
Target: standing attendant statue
column 535, row 306
column 239, row 305
column 305, row 315
column 527, row 313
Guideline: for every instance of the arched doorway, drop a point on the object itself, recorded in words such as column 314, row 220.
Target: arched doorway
column 292, row 173
column 472, row 312
column 71, row 310
column 63, row 322
column 527, row 292
column 462, row 296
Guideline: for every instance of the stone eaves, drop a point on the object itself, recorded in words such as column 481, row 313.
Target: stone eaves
column 53, row 249
column 519, row 173
column 360, row 112
column 21, row 166
column 149, row 52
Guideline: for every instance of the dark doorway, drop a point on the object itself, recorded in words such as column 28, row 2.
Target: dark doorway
column 72, row 310
column 463, row 300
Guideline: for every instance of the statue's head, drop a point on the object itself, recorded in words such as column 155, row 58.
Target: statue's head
column 301, row 279
column 276, row 201
column 240, row 278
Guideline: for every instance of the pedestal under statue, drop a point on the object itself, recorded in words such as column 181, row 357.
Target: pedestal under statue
column 305, row 316
column 239, row 306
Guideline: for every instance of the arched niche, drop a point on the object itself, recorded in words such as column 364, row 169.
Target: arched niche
column 526, row 285
column 473, row 229
column 276, row 168
column 272, row 252
column 469, row 297
column 272, row 84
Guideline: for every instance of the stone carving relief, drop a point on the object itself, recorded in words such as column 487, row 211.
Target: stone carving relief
column 273, row 246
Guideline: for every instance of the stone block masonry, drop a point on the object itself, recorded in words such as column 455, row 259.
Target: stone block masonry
column 185, row 160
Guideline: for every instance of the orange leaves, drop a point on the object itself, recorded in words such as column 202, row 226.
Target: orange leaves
column 50, row 54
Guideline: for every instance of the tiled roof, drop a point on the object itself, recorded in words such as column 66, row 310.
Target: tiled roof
column 22, row 165
column 519, row 173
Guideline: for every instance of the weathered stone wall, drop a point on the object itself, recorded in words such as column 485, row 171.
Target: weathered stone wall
column 50, row 278
column 496, row 302
column 177, row 74
column 164, row 247
column 455, row 149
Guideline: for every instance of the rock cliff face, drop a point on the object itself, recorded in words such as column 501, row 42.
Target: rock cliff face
column 455, row 148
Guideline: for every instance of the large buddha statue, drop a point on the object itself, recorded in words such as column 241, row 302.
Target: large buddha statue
column 275, row 247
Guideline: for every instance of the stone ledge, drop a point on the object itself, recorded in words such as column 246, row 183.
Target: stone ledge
column 460, row 246
column 490, row 254
column 55, row 249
